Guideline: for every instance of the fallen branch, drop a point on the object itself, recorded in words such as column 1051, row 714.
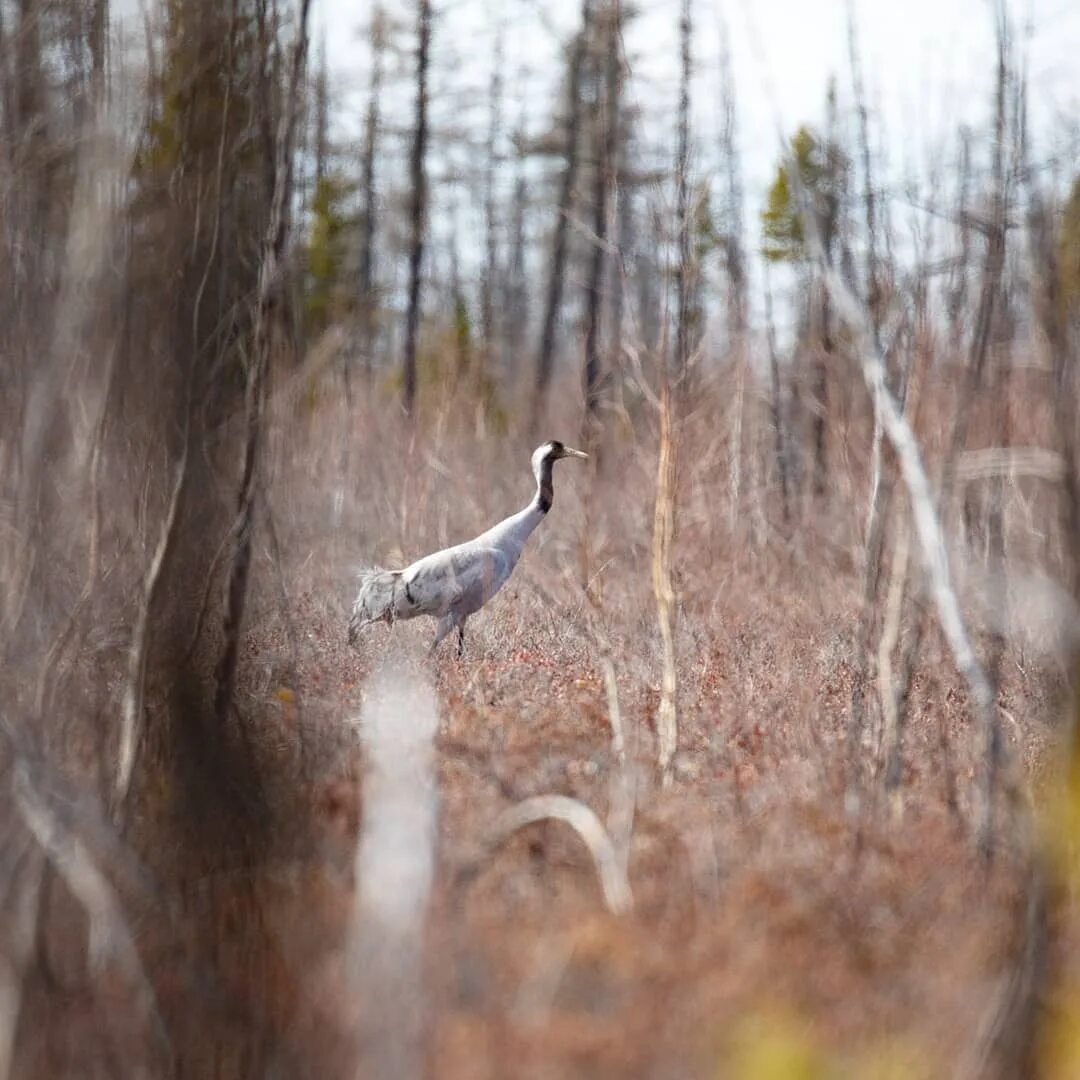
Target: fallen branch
column 108, row 935
column 15, row 957
column 580, row 818
column 1012, row 462
column 132, row 706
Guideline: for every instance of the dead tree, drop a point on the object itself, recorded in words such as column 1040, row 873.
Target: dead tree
column 491, row 235
column 829, row 220
column 682, row 197
column 872, row 284
column 606, row 135
column 417, row 204
column 553, row 305
column 267, row 315
column 776, row 401
column 516, row 291
column 367, row 186
column 880, row 490
column 322, row 114
column 994, row 231
column 735, row 265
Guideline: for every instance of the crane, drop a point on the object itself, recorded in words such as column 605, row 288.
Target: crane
column 452, row 584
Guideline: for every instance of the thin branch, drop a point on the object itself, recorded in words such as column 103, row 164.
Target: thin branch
column 109, row 934
column 132, row 705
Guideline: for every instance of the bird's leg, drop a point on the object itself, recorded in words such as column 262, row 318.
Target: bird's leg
column 461, row 639
column 444, row 626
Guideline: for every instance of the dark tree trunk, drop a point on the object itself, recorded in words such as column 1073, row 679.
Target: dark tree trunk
column 417, row 206
column 516, row 293
column 268, row 310
column 776, row 403
column 545, row 358
column 367, row 185
column 873, row 297
column 322, row 117
column 97, row 42
column 824, row 360
column 682, row 198
column 491, row 237
column 606, row 133
column 734, row 255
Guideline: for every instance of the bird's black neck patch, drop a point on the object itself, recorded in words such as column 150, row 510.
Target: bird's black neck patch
column 545, row 494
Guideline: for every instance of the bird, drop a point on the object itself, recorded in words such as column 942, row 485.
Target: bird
column 452, row 584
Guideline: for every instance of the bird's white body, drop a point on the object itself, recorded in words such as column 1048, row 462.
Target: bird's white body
column 452, row 584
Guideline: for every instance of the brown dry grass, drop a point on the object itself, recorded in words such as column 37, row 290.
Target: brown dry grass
column 762, row 896
column 757, row 891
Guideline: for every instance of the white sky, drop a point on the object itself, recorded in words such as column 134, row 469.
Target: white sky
column 928, row 67
column 927, row 64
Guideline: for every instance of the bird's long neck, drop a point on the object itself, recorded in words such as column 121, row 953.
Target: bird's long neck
column 517, row 528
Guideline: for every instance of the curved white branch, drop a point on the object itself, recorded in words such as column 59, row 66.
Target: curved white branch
column 580, row 818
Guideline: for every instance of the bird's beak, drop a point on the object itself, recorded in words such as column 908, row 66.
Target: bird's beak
column 569, row 451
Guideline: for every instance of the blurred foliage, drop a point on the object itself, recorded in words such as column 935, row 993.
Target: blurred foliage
column 197, row 101
column 779, row 1045
column 328, row 296
column 448, row 369
column 203, row 177
column 1059, row 837
column 775, row 1046
column 1060, row 1038
column 1069, row 249
column 462, row 332
column 822, row 170
column 707, row 236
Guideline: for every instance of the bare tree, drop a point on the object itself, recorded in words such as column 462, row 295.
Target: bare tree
column 606, row 135
column 322, row 113
column 369, row 156
column 776, row 400
column 682, row 196
column 735, row 265
column 491, row 225
column 267, row 316
column 417, row 203
column 546, row 355
column 516, row 291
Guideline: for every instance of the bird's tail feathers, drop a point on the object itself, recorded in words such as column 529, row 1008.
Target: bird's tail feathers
column 375, row 600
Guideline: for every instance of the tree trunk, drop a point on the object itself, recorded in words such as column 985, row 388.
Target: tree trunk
column 322, row 116
column 545, row 357
column 682, row 198
column 777, row 402
column 606, row 134
column 417, row 206
column 516, row 293
column 267, row 312
column 491, row 236
column 367, row 187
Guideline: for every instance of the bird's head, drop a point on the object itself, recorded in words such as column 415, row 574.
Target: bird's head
column 544, row 457
column 551, row 452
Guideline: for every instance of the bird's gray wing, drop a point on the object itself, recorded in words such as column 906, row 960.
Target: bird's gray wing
column 482, row 575
column 433, row 585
